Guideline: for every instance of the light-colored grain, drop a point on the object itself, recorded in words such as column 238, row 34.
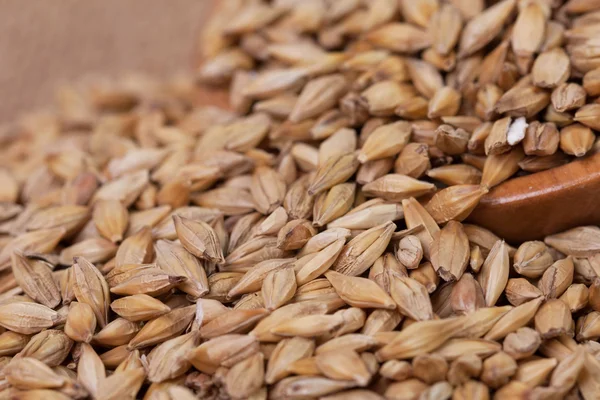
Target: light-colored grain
column 308, row 241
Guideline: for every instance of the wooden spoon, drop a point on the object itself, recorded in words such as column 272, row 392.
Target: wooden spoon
column 524, row 208
column 533, row 206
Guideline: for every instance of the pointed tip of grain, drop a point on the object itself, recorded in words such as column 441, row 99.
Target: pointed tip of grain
column 16, row 256
column 331, row 273
column 446, row 275
column 220, row 260
column 294, row 117
column 177, row 279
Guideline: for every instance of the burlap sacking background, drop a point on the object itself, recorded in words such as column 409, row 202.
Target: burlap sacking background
column 46, row 42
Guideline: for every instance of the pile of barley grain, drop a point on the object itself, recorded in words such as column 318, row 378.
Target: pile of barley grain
column 309, row 244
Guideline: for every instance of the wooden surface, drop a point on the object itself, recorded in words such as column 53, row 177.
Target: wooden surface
column 46, row 42
column 547, row 202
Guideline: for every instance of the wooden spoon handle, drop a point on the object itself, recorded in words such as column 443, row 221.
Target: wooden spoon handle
column 533, row 206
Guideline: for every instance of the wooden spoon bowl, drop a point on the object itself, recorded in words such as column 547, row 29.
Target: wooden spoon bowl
column 533, row 206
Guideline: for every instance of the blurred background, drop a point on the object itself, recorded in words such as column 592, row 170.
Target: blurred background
column 44, row 43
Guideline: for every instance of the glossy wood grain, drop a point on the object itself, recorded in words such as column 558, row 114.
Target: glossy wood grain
column 530, row 207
